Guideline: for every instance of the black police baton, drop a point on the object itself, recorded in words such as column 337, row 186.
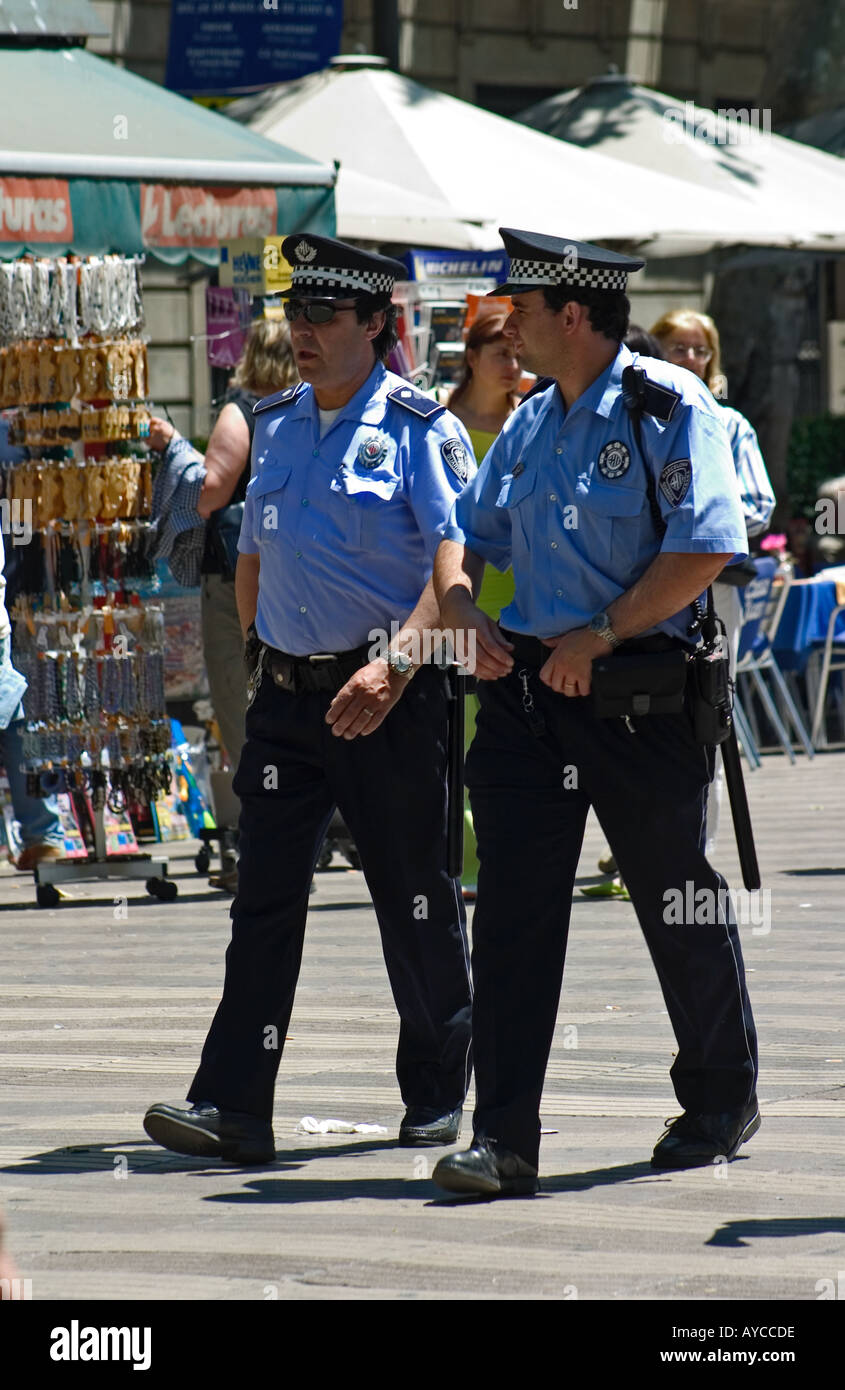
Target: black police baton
column 455, row 774
column 740, row 812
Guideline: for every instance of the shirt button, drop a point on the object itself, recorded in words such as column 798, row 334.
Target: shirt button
column 302, row 608
column 559, row 593
column 554, row 545
column 558, row 451
column 315, row 453
column 305, row 501
column 299, row 554
column 552, row 496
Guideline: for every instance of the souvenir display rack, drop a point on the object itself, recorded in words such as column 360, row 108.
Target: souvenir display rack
column 89, row 640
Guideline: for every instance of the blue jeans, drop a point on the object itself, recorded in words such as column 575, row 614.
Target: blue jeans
column 37, row 816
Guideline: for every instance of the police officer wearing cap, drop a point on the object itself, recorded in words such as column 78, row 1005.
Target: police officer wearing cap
column 354, row 477
column 563, row 496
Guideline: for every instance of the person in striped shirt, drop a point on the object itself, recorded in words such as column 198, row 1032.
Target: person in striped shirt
column 691, row 339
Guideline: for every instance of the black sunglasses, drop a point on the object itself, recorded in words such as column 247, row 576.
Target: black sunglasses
column 314, row 310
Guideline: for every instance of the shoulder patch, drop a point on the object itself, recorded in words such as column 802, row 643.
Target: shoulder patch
column 416, row 402
column 279, row 398
column 455, row 457
column 674, row 481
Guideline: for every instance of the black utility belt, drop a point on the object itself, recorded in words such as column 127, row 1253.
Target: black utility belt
column 653, row 675
column 324, row 671
column 533, row 652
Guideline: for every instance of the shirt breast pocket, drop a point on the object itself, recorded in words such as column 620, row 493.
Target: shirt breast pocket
column 368, row 499
column 268, row 490
column 516, row 498
column 615, row 513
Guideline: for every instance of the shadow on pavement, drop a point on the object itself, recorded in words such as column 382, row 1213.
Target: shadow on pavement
column 732, row 1232
column 811, row 873
column 141, row 1156
column 282, row 1191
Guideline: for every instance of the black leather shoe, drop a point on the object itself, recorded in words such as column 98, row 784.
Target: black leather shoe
column 206, row 1132
column 488, row 1170
column 694, row 1141
column 422, row 1128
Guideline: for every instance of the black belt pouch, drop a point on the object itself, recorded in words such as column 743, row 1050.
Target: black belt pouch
column 635, row 683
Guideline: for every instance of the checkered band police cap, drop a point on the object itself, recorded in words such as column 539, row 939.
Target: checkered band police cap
column 538, row 260
column 325, row 268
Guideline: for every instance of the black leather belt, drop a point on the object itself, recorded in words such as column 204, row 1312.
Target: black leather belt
column 532, row 652
column 324, row 671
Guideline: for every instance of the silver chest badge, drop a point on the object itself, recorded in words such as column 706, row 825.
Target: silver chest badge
column 372, row 451
column 614, row 459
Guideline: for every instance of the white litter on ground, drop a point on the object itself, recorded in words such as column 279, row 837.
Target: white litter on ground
column 308, row 1125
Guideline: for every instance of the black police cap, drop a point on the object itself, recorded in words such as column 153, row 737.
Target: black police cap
column 538, row 261
column 325, row 268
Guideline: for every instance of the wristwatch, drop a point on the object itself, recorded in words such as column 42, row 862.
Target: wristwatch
column 401, row 663
column 601, row 626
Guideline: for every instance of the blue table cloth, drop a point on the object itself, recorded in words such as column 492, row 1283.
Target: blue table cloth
column 804, row 622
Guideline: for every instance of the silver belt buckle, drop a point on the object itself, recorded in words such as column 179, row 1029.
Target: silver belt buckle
column 322, row 656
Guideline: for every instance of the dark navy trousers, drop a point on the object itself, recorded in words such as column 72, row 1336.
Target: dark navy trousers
column 391, row 790
column 648, row 789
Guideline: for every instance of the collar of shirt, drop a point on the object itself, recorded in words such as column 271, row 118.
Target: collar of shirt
column 366, row 407
column 602, row 394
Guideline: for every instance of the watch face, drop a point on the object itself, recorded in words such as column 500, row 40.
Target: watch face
column 599, row 622
column 400, row 663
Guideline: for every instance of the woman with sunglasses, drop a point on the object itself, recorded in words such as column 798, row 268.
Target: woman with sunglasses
column 691, row 339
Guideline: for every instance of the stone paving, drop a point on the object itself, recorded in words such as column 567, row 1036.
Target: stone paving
column 101, row 1013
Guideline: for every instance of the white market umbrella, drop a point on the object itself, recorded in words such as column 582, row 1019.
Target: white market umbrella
column 490, row 170
column 731, row 155
column 369, row 209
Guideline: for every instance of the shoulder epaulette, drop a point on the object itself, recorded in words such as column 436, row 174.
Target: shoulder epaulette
column 639, row 392
column 660, row 401
column 416, row 402
column 280, row 398
column 541, row 384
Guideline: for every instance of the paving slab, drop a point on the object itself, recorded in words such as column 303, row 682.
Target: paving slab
column 105, row 1001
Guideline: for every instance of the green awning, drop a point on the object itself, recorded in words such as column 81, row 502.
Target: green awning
column 96, row 159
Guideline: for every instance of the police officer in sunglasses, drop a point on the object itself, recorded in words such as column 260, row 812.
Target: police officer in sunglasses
column 354, row 477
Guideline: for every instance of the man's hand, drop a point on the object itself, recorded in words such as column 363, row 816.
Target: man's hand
column 161, row 433
column 363, row 703
column 472, row 633
column 569, row 669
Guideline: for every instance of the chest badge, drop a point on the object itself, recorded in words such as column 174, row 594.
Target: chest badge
column 614, row 460
column 455, row 457
column 372, row 451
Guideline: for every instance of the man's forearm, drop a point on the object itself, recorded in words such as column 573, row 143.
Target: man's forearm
column 670, row 583
column 246, row 589
column 457, row 575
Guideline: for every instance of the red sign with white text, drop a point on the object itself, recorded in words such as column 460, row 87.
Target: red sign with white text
column 35, row 210
column 177, row 216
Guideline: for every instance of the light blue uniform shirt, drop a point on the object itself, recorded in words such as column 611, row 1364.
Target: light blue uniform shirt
column 562, row 497
column 347, row 526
